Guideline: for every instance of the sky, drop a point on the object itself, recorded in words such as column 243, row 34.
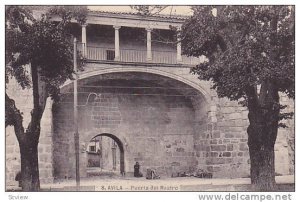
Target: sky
column 179, row 10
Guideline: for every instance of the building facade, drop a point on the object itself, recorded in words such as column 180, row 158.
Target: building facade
column 137, row 89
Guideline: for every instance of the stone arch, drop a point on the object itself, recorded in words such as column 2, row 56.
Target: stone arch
column 194, row 106
column 85, row 75
column 121, row 147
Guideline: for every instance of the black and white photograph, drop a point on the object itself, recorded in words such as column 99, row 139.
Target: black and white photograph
column 150, row 98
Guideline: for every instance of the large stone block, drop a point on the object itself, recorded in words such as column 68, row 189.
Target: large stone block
column 229, row 147
column 226, row 154
column 216, row 134
column 218, row 147
column 243, row 147
column 229, row 135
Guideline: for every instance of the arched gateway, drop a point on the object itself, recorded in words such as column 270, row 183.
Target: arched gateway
column 158, row 119
column 118, row 145
column 144, row 97
column 163, row 121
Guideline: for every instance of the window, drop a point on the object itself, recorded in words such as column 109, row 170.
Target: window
column 92, row 148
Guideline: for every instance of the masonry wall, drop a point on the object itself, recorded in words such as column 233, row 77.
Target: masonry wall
column 228, row 153
column 156, row 131
column 285, row 144
column 202, row 133
column 107, row 154
column 171, row 134
column 175, row 134
column 23, row 101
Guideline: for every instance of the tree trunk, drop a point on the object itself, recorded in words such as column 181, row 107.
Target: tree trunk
column 29, row 166
column 28, row 141
column 262, row 133
column 262, row 167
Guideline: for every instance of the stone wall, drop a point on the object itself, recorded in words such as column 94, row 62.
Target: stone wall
column 23, row 101
column 285, row 144
column 229, row 154
column 179, row 133
column 155, row 130
column 210, row 133
column 202, row 131
column 12, row 157
column 45, row 147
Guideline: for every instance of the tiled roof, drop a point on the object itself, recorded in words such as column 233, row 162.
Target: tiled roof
column 138, row 15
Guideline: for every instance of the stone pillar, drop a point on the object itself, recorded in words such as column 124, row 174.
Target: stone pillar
column 117, row 43
column 149, row 51
column 83, row 40
column 179, row 57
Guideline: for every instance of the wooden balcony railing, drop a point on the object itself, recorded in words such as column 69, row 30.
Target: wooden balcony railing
column 140, row 56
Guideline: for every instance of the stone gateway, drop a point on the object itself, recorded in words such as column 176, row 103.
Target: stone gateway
column 139, row 95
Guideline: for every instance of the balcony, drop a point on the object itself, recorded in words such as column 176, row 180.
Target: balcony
column 96, row 53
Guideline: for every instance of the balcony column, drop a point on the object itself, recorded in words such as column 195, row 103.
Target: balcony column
column 149, row 51
column 117, row 43
column 83, row 40
column 179, row 57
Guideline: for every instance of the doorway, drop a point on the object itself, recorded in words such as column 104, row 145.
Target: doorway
column 105, row 152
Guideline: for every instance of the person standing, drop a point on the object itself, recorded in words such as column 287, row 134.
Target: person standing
column 137, row 172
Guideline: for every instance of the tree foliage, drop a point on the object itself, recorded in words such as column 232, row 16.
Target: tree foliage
column 40, row 42
column 39, row 55
column 250, row 53
column 243, row 47
column 148, row 10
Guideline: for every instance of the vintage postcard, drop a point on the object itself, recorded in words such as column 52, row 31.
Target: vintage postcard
column 152, row 98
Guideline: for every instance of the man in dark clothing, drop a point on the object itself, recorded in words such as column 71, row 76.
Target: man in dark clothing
column 137, row 172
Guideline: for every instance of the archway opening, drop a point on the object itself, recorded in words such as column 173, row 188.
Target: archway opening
column 105, row 155
column 163, row 121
